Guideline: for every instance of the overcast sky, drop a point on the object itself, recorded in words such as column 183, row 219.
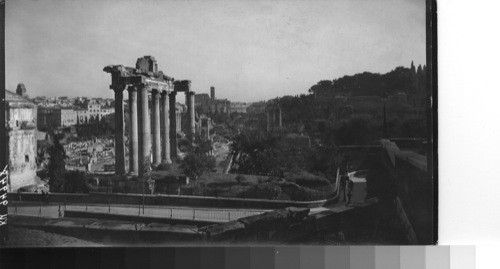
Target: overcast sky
column 248, row 50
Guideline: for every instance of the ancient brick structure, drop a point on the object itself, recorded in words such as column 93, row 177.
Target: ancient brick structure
column 20, row 118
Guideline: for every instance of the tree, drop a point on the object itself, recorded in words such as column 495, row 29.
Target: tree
column 322, row 86
column 57, row 166
column 146, row 169
column 204, row 146
column 357, row 131
column 195, row 164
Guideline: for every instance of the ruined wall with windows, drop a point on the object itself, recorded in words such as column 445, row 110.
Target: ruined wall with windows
column 21, row 140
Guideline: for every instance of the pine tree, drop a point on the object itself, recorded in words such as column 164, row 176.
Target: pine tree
column 57, row 166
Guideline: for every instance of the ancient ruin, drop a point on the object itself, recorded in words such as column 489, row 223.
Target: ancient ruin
column 21, row 139
column 150, row 137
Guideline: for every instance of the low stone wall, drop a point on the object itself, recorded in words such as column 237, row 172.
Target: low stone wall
column 171, row 200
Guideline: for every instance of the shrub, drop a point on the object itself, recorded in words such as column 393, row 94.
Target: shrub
column 239, row 179
column 75, row 182
column 263, row 191
column 163, row 167
column 194, row 164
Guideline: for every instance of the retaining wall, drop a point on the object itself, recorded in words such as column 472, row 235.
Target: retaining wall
column 171, row 200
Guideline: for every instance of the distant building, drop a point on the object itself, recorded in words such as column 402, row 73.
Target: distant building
column 56, row 117
column 209, row 104
column 256, row 107
column 20, row 115
column 202, row 102
column 238, row 107
column 220, row 106
column 82, row 116
column 212, row 93
column 107, row 111
column 94, row 109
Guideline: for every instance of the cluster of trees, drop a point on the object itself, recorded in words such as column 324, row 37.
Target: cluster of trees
column 61, row 180
column 408, row 80
column 195, row 164
column 198, row 159
column 271, row 154
column 303, row 111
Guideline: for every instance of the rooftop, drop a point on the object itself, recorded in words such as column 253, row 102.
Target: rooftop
column 14, row 99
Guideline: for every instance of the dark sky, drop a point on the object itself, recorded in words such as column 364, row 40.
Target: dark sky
column 248, row 50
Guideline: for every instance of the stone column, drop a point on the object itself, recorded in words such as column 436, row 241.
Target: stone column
column 179, row 120
column 144, row 129
column 173, row 126
column 134, row 133
column 165, row 128
column 188, row 115
column 119, row 132
column 191, row 116
column 155, row 112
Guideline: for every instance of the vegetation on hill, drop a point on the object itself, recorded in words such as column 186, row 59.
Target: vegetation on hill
column 407, row 80
column 270, row 154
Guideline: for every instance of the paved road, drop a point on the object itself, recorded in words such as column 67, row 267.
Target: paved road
column 205, row 214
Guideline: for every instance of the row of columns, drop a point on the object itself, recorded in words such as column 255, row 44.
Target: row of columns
column 142, row 142
column 155, row 136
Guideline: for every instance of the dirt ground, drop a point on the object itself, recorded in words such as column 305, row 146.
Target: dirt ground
column 23, row 237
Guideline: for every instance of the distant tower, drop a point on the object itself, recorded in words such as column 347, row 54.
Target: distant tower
column 21, row 90
column 212, row 93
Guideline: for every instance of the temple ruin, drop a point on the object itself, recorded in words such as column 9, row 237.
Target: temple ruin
column 151, row 137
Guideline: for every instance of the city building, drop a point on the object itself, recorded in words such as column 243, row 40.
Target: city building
column 256, row 107
column 106, row 110
column 56, row 117
column 20, row 115
column 238, row 107
column 220, row 106
column 209, row 104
